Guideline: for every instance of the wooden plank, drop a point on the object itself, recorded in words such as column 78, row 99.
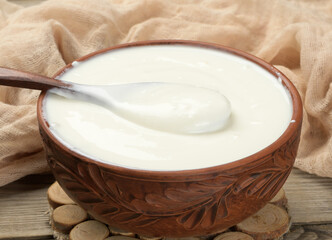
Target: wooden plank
column 310, row 232
column 309, row 197
column 23, row 207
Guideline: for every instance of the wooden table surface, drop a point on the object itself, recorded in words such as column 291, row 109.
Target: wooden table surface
column 24, row 207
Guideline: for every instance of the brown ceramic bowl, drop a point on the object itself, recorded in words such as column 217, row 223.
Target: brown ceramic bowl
column 176, row 203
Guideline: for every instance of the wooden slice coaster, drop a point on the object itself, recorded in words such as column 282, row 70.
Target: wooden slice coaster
column 121, row 238
column 115, row 231
column 280, row 199
column 233, row 236
column 65, row 217
column 89, row 230
column 185, row 238
column 57, row 197
column 268, row 223
column 271, row 222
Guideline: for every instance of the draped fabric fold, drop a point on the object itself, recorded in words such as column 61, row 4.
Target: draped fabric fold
column 293, row 35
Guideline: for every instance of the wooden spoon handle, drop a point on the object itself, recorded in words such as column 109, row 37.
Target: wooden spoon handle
column 15, row 78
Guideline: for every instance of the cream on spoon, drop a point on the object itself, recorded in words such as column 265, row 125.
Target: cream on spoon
column 175, row 107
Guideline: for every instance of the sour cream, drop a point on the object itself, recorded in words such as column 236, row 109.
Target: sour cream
column 171, row 107
column 261, row 109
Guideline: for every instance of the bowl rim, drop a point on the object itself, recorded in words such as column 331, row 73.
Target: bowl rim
column 196, row 173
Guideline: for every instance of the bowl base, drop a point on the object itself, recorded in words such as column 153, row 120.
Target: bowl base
column 70, row 223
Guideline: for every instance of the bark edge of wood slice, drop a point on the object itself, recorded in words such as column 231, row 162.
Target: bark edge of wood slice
column 233, row 236
column 116, row 231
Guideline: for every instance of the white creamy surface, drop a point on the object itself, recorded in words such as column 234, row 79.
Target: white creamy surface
column 158, row 105
column 260, row 109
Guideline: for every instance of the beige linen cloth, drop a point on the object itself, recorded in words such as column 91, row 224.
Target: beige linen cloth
column 296, row 36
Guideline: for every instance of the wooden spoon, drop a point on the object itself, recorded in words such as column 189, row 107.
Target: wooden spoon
column 168, row 107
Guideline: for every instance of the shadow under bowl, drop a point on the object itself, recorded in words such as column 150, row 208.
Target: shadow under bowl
column 176, row 203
